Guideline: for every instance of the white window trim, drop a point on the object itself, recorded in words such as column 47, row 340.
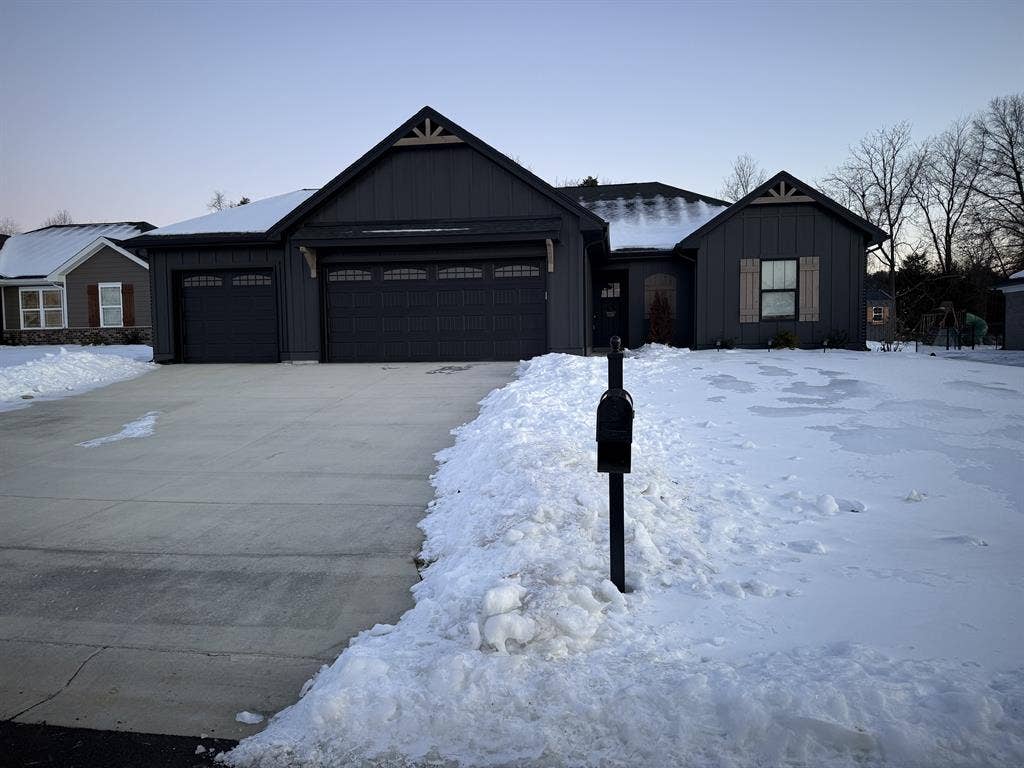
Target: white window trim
column 119, row 305
column 880, row 311
column 38, row 289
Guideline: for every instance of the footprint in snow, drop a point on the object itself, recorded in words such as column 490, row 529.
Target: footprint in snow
column 972, row 541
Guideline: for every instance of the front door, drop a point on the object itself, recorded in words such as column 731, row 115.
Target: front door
column 610, row 295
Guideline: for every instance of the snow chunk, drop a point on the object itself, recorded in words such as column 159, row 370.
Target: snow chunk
column 502, row 599
column 915, row 495
column 508, row 626
column 142, row 427
column 827, row 504
column 249, row 718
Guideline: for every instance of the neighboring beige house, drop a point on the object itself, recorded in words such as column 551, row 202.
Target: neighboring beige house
column 75, row 283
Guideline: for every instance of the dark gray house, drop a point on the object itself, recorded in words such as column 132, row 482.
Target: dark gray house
column 1013, row 293
column 435, row 246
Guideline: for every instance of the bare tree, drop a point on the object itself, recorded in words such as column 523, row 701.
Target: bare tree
column 8, row 226
column 1000, row 183
column 946, row 186
column 746, row 176
column 60, row 217
column 877, row 182
column 219, row 201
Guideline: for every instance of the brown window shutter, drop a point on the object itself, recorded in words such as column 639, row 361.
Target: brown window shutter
column 750, row 290
column 127, row 304
column 885, row 313
column 92, row 291
column 810, row 289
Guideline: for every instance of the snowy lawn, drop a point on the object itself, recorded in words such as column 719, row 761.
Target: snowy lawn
column 48, row 372
column 824, row 553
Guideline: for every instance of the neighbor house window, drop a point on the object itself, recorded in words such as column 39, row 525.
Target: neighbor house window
column 42, row 307
column 778, row 289
column 877, row 314
column 111, row 315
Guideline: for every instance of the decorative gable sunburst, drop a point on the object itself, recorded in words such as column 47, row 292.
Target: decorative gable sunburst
column 784, row 193
column 427, row 132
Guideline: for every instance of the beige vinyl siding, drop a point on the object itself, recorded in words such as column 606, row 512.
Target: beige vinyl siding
column 106, row 266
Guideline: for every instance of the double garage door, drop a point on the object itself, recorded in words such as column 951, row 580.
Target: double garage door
column 481, row 310
column 473, row 310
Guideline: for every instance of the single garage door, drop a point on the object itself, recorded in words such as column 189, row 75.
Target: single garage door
column 229, row 316
column 474, row 310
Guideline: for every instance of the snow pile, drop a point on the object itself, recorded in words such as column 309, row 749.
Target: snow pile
column 257, row 216
column 788, row 607
column 655, row 222
column 28, row 373
column 142, row 427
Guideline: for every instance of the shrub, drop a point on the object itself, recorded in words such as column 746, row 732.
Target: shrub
column 660, row 331
column 135, row 337
column 786, row 339
column 729, row 343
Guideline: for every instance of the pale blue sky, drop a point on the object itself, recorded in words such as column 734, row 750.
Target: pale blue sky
column 124, row 111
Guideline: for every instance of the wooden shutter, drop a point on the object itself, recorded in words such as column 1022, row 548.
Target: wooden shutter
column 127, row 305
column 92, row 292
column 750, row 290
column 810, row 290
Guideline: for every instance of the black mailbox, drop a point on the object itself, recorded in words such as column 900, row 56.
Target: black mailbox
column 614, row 431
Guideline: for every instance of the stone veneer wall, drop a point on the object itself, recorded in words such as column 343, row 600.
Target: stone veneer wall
column 137, row 335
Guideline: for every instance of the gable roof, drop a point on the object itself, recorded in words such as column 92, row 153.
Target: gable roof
column 877, row 294
column 647, row 215
column 41, row 251
column 875, row 235
column 87, row 253
column 499, row 158
column 255, row 217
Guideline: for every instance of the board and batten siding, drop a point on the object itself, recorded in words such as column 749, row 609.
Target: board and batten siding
column 728, row 275
column 106, row 266
column 455, row 181
column 166, row 266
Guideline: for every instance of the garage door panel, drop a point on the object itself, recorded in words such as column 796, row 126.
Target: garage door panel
column 229, row 316
column 472, row 311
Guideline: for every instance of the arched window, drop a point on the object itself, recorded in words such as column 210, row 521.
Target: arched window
column 663, row 284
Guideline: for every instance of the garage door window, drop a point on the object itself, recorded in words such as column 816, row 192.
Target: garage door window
column 348, row 275
column 517, row 270
column 460, row 273
column 405, row 273
column 42, row 307
column 202, row 281
column 252, row 279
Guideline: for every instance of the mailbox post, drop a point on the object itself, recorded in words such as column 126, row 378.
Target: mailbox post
column 614, row 454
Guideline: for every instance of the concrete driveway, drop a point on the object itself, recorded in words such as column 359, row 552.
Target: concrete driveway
column 163, row 584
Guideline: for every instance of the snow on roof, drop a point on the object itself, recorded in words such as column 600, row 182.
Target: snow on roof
column 254, row 217
column 652, row 222
column 38, row 253
column 1017, row 275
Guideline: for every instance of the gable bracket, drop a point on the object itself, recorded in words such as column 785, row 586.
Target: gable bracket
column 310, row 256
